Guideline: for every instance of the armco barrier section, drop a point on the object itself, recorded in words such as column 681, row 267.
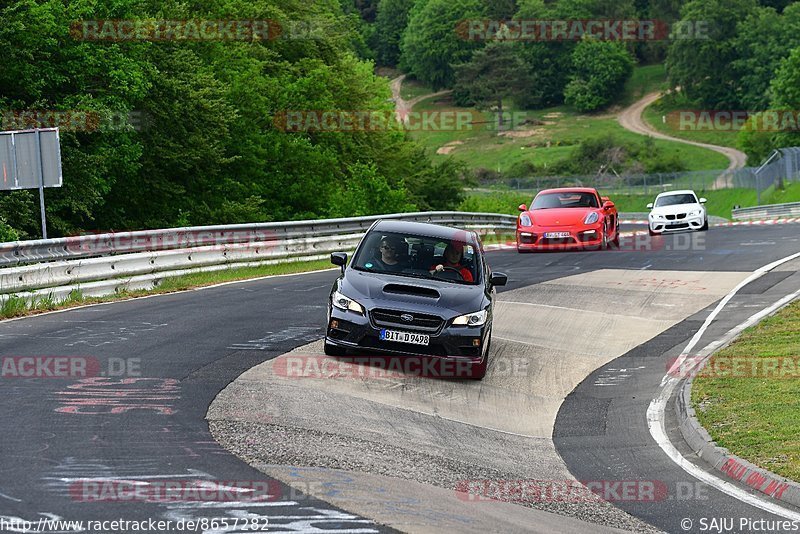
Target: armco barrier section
column 771, row 211
column 105, row 263
column 640, row 217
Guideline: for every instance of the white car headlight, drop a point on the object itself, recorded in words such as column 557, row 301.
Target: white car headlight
column 346, row 303
column 525, row 220
column 471, row 319
column 694, row 213
column 656, row 216
column 592, row 218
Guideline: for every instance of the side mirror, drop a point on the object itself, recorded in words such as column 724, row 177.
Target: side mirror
column 703, row 201
column 498, row 279
column 650, row 206
column 522, row 207
column 339, row 258
column 607, row 205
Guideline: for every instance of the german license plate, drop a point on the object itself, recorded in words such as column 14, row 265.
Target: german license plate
column 556, row 235
column 405, row 337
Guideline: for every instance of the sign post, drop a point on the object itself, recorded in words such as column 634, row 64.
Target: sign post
column 31, row 159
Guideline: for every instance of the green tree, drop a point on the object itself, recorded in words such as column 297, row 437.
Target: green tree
column 702, row 66
column 7, row 233
column 549, row 63
column 500, row 9
column 440, row 187
column 600, row 69
column 45, row 68
column 494, row 73
column 786, row 96
column 366, row 192
column 762, row 41
column 432, row 44
column 390, row 23
column 210, row 151
column 785, row 89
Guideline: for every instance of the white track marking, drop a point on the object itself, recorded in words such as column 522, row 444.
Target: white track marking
column 655, row 412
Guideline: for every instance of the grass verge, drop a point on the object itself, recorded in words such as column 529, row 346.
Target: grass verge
column 552, row 134
column 21, row 305
column 664, row 118
column 412, row 89
column 644, row 80
column 555, row 136
column 758, row 417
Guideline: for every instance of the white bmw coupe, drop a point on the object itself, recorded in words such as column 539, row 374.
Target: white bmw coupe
column 677, row 210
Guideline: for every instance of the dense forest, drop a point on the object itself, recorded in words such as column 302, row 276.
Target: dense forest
column 205, row 147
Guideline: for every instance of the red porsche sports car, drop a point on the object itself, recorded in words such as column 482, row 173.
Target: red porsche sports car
column 567, row 218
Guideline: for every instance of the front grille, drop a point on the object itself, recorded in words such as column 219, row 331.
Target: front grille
column 420, row 321
column 558, row 241
column 679, row 225
column 434, row 349
column 676, row 217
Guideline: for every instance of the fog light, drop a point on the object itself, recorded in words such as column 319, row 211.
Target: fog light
column 334, row 323
column 476, row 342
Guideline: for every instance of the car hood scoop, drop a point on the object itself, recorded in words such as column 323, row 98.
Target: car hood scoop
column 417, row 291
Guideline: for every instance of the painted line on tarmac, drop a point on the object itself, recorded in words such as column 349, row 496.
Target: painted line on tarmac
column 656, row 410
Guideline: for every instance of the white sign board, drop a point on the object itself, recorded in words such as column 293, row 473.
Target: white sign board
column 27, row 162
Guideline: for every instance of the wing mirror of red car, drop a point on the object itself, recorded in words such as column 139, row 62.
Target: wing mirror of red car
column 498, row 279
column 522, row 207
column 607, row 205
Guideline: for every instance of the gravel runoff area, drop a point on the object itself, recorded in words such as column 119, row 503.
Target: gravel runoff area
column 263, row 437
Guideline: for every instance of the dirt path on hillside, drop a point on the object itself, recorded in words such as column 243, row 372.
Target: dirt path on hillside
column 403, row 107
column 631, row 119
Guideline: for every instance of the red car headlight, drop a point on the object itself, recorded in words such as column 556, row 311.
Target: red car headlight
column 525, row 220
column 591, row 218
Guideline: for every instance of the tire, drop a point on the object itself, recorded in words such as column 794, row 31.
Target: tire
column 604, row 240
column 652, row 233
column 616, row 238
column 704, row 227
column 331, row 350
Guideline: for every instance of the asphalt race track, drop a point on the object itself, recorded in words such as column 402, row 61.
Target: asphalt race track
column 582, row 340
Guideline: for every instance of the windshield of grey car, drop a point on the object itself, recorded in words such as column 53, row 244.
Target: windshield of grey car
column 419, row 257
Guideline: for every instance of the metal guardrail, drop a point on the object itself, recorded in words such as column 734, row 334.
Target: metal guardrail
column 642, row 216
column 106, row 263
column 772, row 211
